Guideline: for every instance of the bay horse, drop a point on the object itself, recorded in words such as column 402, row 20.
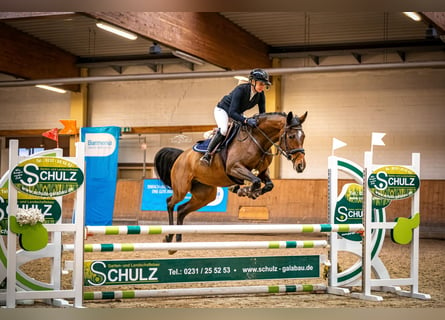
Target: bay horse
column 250, row 150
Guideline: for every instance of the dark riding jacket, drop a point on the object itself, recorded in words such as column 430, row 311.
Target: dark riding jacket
column 237, row 101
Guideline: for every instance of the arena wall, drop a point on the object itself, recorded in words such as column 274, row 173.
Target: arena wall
column 291, row 201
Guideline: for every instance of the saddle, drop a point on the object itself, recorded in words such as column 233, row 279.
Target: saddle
column 202, row 145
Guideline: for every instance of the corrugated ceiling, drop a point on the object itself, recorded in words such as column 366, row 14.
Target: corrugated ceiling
column 316, row 28
column 77, row 34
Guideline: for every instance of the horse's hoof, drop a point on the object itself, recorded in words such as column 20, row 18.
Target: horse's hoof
column 171, row 252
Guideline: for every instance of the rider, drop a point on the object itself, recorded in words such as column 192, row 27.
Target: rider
column 244, row 97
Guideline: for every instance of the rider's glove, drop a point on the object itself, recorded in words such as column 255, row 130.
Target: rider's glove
column 251, row 122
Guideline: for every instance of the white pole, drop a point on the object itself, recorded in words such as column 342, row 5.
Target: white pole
column 226, row 228
column 333, row 237
column 12, row 237
column 367, row 240
column 79, row 233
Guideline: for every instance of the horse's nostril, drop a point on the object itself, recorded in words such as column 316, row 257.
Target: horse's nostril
column 300, row 167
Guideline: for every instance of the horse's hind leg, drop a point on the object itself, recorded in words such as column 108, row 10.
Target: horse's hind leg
column 170, row 208
column 201, row 195
column 171, row 202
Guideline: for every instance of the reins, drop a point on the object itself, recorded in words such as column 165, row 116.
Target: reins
column 287, row 153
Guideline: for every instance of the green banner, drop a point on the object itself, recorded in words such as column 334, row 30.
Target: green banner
column 349, row 208
column 50, row 207
column 119, row 272
column 47, row 177
column 393, row 182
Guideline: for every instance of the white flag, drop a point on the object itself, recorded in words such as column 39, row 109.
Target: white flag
column 377, row 139
column 337, row 144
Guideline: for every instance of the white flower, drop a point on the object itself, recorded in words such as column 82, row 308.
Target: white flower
column 29, row 216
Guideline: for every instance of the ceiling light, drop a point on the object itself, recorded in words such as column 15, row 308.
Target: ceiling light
column 188, row 57
column 120, row 32
column 413, row 15
column 241, row 79
column 42, row 86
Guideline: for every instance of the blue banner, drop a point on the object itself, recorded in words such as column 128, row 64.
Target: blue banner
column 155, row 194
column 101, row 157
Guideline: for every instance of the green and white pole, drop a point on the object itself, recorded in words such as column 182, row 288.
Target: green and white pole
column 134, row 294
column 121, row 247
column 227, row 229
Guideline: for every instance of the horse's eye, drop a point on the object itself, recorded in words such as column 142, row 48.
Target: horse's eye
column 292, row 136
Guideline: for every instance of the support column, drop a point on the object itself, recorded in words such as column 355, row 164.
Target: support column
column 79, row 110
column 273, row 104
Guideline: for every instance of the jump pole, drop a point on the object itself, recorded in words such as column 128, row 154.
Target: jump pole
column 281, row 288
column 228, row 229
column 135, row 294
column 119, row 247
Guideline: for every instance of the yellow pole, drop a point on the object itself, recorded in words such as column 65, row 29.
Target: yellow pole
column 79, row 110
column 273, row 104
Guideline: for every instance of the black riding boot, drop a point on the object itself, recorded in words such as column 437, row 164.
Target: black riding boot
column 206, row 159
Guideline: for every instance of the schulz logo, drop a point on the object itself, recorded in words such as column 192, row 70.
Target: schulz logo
column 393, row 182
column 47, row 177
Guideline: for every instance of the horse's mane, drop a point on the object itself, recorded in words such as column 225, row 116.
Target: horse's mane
column 266, row 114
column 260, row 116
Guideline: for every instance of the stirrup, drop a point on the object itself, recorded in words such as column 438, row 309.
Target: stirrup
column 205, row 160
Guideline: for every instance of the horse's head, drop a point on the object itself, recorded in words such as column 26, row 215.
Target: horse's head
column 293, row 139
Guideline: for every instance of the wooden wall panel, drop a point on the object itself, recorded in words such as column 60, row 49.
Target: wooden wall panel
column 291, row 201
column 128, row 199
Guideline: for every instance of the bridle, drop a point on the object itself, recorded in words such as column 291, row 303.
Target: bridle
column 283, row 138
column 288, row 153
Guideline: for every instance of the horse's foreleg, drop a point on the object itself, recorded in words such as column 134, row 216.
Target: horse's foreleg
column 234, row 188
column 268, row 184
column 243, row 173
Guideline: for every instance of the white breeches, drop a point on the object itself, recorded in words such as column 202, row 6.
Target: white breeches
column 222, row 120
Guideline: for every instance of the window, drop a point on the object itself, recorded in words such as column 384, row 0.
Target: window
column 24, row 152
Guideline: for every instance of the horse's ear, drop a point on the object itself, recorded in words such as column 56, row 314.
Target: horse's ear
column 290, row 116
column 303, row 117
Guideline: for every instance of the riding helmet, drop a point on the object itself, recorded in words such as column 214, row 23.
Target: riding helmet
column 259, row 75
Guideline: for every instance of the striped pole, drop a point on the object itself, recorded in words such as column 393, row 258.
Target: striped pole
column 231, row 228
column 117, row 247
column 134, row 294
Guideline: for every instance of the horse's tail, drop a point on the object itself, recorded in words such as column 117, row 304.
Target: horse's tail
column 164, row 160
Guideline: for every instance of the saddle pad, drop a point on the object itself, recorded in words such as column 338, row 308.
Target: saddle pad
column 201, row 146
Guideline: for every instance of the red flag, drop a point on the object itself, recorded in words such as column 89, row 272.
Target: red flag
column 52, row 134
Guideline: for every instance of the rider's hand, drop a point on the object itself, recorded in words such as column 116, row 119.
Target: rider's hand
column 251, row 122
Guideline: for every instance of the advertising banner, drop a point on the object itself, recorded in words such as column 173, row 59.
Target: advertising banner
column 155, row 194
column 101, row 157
column 122, row 272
